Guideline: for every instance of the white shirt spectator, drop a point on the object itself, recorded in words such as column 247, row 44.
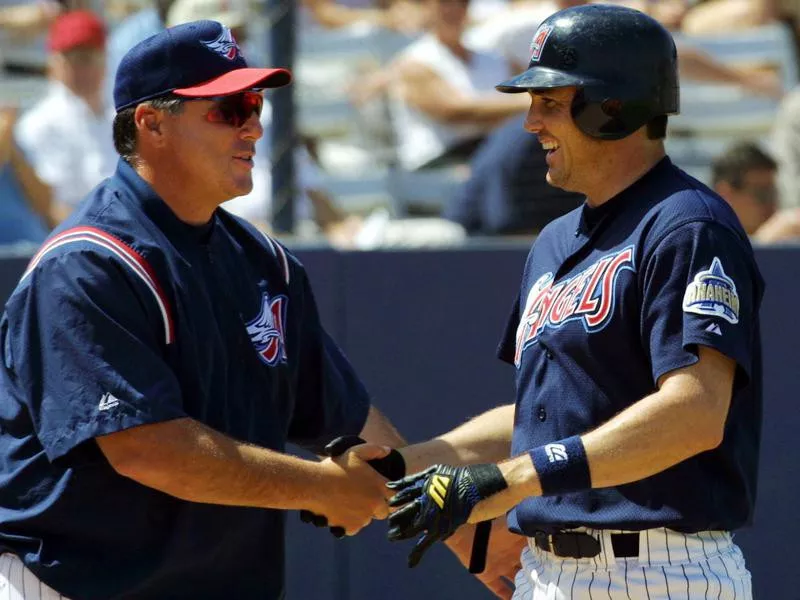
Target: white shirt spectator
column 510, row 31
column 69, row 146
column 421, row 138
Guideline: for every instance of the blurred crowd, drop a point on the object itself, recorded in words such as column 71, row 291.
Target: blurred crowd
column 441, row 113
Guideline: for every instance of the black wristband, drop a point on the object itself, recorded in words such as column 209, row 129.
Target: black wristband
column 488, row 479
column 392, row 466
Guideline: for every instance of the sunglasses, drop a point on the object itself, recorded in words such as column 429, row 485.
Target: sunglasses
column 234, row 110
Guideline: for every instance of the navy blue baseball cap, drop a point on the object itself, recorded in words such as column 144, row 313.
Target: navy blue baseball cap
column 198, row 59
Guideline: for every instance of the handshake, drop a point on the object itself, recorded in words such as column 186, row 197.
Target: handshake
column 435, row 502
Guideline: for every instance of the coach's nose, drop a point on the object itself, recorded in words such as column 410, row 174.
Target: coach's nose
column 252, row 128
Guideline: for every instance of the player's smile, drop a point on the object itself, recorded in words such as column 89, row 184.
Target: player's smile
column 552, row 148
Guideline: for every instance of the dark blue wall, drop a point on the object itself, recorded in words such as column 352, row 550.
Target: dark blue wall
column 422, row 328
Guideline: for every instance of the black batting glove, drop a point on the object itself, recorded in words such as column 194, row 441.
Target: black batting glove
column 438, row 501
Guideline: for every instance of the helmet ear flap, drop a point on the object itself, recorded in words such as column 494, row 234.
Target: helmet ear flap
column 599, row 120
column 607, row 117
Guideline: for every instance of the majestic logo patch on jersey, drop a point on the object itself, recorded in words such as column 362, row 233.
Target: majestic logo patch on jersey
column 537, row 43
column 267, row 330
column 712, row 293
column 224, row 44
column 587, row 296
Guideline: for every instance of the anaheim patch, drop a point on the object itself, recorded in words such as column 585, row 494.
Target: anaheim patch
column 712, row 293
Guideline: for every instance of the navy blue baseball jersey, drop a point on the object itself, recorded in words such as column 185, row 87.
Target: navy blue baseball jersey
column 128, row 316
column 614, row 297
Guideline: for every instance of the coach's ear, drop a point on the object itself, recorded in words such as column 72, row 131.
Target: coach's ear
column 148, row 122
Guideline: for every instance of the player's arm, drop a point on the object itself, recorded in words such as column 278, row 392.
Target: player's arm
column 485, row 438
column 188, row 460
column 685, row 417
column 423, row 89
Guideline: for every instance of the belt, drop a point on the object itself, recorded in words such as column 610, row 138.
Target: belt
column 577, row 544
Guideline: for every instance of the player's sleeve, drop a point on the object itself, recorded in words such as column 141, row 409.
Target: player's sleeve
column 85, row 352
column 331, row 399
column 507, row 348
column 700, row 287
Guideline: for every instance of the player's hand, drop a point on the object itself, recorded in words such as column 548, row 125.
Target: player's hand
column 438, row 501
column 502, row 560
column 391, row 466
column 353, row 493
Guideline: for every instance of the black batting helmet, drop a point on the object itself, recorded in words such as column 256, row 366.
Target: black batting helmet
column 623, row 62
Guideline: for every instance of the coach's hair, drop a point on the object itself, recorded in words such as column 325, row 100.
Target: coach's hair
column 125, row 126
column 738, row 159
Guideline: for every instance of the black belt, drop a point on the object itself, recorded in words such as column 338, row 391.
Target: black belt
column 577, row 544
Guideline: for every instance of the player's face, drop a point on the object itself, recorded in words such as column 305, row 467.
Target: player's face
column 573, row 158
column 216, row 156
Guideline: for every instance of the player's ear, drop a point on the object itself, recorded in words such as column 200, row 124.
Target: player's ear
column 149, row 123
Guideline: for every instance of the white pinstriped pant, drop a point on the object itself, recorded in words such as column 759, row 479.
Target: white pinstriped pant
column 17, row 582
column 670, row 566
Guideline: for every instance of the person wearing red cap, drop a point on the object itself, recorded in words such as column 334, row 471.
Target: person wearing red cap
column 159, row 354
column 65, row 134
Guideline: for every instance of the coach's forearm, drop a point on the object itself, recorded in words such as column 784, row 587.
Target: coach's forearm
column 379, row 430
column 191, row 461
column 486, row 438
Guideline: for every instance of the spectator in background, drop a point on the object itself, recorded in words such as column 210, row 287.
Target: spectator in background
column 442, row 93
column 509, row 33
column 745, row 177
column 24, row 199
column 506, row 193
column 785, row 146
column 22, row 26
column 405, row 16
column 66, row 134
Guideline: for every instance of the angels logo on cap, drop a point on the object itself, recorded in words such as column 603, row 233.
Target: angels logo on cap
column 223, row 44
column 537, row 43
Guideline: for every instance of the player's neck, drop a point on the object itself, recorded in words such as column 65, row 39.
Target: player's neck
column 621, row 169
column 175, row 194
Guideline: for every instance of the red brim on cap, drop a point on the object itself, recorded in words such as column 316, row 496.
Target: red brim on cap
column 238, row 80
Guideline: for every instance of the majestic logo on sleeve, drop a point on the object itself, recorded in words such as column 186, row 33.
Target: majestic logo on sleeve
column 588, row 296
column 539, row 38
column 712, row 293
column 267, row 330
column 223, row 44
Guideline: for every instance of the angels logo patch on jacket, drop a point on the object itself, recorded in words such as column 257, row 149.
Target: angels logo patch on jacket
column 267, row 330
column 587, row 296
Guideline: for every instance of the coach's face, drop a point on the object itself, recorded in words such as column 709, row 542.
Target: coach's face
column 214, row 159
column 572, row 156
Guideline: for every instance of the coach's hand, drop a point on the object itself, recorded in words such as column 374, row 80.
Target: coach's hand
column 438, row 501
column 391, row 466
column 352, row 493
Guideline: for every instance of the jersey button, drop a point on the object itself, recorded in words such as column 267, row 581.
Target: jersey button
column 549, row 355
column 542, row 414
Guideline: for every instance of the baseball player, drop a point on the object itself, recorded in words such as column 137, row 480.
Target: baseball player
column 635, row 339
column 158, row 354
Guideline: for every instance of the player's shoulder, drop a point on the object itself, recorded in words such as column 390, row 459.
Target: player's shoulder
column 683, row 201
column 101, row 238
